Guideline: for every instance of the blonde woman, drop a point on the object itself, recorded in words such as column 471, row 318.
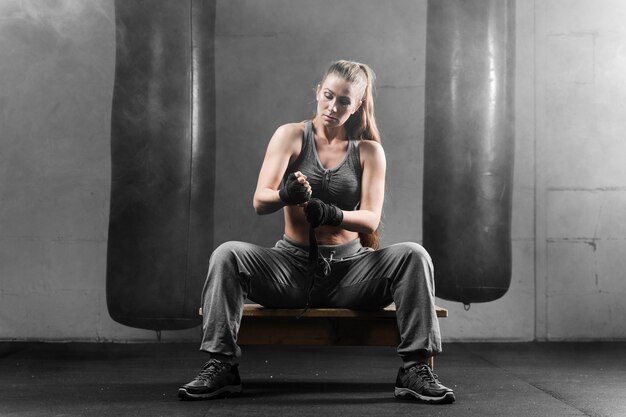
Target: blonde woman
column 327, row 175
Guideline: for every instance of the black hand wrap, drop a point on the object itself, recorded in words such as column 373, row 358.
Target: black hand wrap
column 293, row 192
column 319, row 213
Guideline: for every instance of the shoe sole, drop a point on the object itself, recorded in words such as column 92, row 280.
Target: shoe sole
column 227, row 391
column 408, row 394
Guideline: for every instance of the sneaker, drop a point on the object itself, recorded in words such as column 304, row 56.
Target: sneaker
column 419, row 383
column 216, row 379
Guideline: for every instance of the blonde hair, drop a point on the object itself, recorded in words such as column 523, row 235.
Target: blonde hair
column 362, row 124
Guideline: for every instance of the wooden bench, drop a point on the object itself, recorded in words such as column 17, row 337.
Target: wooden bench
column 320, row 326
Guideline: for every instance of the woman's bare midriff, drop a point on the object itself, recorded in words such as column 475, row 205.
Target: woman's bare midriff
column 297, row 228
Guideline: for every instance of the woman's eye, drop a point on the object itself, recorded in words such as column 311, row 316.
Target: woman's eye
column 328, row 96
column 345, row 103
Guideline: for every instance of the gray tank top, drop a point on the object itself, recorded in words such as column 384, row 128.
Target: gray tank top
column 340, row 185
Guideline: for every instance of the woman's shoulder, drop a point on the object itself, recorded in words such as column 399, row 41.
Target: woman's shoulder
column 291, row 131
column 288, row 138
column 370, row 149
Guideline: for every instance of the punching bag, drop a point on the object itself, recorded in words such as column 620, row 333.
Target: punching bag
column 162, row 162
column 469, row 147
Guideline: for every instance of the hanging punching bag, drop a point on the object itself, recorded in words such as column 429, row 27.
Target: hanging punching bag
column 469, row 146
column 162, row 157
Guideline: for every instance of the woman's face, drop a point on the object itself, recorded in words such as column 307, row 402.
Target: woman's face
column 336, row 101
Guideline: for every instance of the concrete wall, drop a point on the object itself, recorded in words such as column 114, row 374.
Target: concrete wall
column 581, row 174
column 56, row 78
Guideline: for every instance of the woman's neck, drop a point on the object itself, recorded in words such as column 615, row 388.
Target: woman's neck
column 328, row 134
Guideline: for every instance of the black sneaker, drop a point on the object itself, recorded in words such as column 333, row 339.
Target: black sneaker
column 419, row 383
column 215, row 380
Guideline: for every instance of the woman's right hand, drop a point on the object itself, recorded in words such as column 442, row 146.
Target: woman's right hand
column 297, row 189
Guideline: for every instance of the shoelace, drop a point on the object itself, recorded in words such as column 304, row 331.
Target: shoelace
column 424, row 372
column 210, row 370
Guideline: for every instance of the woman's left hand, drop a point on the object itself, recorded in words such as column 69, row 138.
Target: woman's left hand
column 319, row 213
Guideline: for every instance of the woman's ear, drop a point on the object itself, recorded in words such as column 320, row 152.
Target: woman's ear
column 358, row 106
column 317, row 91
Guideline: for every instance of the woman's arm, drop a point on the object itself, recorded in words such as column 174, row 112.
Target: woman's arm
column 282, row 149
column 374, row 165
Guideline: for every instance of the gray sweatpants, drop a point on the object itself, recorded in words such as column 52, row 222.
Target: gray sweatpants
column 349, row 276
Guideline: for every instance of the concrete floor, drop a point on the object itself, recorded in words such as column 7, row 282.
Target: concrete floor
column 489, row 379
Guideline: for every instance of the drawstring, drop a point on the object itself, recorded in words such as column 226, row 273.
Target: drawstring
column 327, row 263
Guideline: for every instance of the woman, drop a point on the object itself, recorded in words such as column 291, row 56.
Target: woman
column 328, row 176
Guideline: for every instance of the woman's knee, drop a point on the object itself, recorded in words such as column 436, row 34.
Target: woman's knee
column 226, row 261
column 412, row 250
column 224, row 267
column 417, row 266
column 228, row 251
